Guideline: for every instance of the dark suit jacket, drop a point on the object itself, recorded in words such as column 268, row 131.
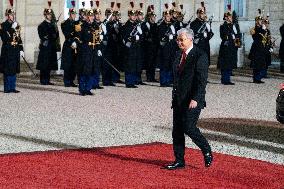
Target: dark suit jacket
column 190, row 83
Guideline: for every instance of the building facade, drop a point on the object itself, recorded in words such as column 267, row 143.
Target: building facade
column 30, row 15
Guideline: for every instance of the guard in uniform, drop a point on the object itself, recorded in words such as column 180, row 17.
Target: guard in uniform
column 89, row 38
column 151, row 43
column 47, row 58
column 281, row 50
column 202, row 31
column 69, row 51
column 109, row 46
column 258, row 51
column 141, row 22
column 167, row 48
column 227, row 60
column 131, row 35
column 118, row 47
column 11, row 51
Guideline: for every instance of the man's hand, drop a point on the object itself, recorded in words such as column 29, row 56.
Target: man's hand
column 192, row 104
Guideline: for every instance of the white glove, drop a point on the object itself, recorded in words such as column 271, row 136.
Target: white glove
column 128, row 44
column 233, row 36
column 14, row 25
column 171, row 37
column 100, row 53
column 74, row 45
column 173, row 29
column 271, row 50
column 104, row 29
column 139, row 30
column 208, row 26
column 263, row 27
column 101, row 37
column 137, row 37
column 22, row 54
column 205, row 34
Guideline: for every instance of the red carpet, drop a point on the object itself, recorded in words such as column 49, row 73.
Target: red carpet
column 133, row 167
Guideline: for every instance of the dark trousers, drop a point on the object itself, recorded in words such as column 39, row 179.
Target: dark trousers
column 184, row 122
column 69, row 77
column 130, row 78
column 139, row 77
column 85, row 83
column 95, row 79
column 226, row 75
column 166, row 77
column 258, row 74
column 9, row 82
column 44, row 77
column 107, row 75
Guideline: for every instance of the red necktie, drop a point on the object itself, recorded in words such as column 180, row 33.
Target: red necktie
column 182, row 62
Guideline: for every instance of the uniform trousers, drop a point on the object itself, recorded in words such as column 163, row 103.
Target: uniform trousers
column 9, row 82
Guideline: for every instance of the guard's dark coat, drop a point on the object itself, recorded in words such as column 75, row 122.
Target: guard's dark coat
column 10, row 54
column 258, row 52
column 68, row 59
column 167, row 47
column 228, row 54
column 203, row 42
column 47, row 58
column 133, row 61
column 281, row 50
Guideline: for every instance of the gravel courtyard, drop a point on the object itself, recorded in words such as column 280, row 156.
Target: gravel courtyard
column 44, row 118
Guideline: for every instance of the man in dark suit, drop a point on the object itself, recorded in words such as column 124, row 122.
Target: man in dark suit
column 190, row 79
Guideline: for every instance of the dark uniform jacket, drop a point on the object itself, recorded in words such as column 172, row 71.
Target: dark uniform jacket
column 190, row 83
column 167, row 46
column 85, row 59
column 11, row 47
column 68, row 53
column 47, row 58
column 281, row 50
column 203, row 42
column 258, row 52
column 228, row 54
column 133, row 57
column 150, row 42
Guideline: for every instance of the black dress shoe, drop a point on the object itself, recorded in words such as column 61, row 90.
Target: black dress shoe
column 99, row 87
column 49, row 83
column 89, row 93
column 174, row 166
column 141, row 83
column 208, row 158
column 14, row 91
column 82, row 94
column 131, row 86
column 119, row 81
column 73, row 85
column 7, row 91
column 258, row 81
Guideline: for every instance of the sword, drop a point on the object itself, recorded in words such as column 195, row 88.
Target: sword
column 114, row 68
column 35, row 75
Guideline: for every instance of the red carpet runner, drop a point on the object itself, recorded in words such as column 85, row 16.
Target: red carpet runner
column 133, row 167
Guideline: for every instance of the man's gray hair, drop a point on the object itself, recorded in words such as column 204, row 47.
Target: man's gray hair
column 189, row 32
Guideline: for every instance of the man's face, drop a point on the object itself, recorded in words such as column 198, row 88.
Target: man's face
column 153, row 19
column 201, row 16
column 229, row 19
column 98, row 17
column 91, row 18
column 11, row 17
column 175, row 15
column 133, row 17
column 49, row 17
column 72, row 16
column 168, row 17
column 140, row 17
column 184, row 42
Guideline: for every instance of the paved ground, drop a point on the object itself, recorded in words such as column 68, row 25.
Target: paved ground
column 53, row 117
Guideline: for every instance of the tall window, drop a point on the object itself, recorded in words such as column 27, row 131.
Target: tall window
column 237, row 5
